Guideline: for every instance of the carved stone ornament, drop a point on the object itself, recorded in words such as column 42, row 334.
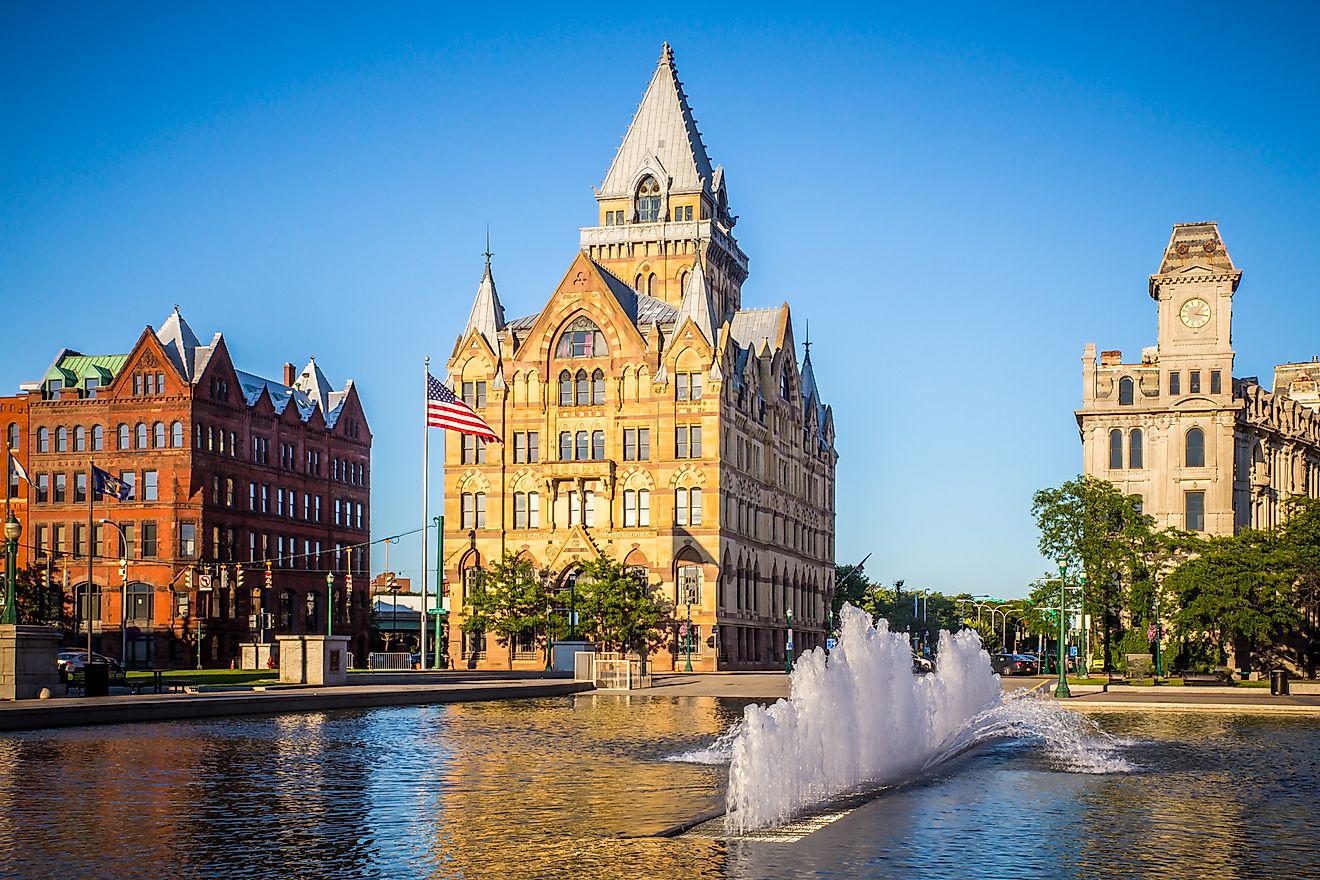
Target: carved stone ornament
column 148, row 359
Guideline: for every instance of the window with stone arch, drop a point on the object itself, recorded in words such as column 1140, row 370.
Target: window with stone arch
column 1194, row 448
column 1125, row 391
column 1135, row 452
column 1115, row 450
column 598, row 387
column 582, row 390
column 648, row 200
column 582, row 339
column 565, row 388
column 176, row 435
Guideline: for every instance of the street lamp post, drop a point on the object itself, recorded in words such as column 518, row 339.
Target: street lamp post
column 687, row 632
column 329, row 603
column 123, row 590
column 788, row 661
column 1061, row 689
column 13, row 529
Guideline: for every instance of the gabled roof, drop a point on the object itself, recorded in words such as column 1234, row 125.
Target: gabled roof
column 751, row 326
column 662, row 129
column 313, row 383
column 1196, row 244
column 642, row 310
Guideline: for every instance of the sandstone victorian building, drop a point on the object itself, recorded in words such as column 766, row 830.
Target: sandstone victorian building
column 233, row 476
column 647, row 414
column 1204, row 450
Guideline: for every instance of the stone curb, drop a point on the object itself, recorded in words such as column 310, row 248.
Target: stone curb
column 76, row 713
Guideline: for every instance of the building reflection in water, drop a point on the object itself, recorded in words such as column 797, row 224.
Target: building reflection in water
column 524, row 789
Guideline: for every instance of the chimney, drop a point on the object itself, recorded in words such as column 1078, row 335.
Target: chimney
column 289, row 375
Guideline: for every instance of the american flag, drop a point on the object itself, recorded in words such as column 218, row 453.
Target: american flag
column 445, row 410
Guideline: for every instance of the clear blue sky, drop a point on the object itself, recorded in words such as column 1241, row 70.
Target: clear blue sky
column 957, row 200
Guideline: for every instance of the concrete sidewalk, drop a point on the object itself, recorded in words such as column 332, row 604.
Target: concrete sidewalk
column 75, row 711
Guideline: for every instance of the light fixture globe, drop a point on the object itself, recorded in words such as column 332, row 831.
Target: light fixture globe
column 13, row 528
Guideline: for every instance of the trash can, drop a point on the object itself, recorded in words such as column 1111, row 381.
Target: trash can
column 96, row 680
column 1278, row 682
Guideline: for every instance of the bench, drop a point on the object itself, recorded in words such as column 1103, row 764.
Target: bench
column 1206, row 678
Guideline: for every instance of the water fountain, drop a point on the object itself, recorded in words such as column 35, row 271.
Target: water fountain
column 864, row 720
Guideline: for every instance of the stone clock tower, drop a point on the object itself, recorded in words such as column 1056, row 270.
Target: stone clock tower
column 1194, row 288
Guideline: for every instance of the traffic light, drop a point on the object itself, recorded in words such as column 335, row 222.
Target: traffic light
column 224, row 578
column 238, row 577
column 269, row 580
column 187, row 580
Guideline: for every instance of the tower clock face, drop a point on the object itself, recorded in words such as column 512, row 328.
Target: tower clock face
column 1195, row 313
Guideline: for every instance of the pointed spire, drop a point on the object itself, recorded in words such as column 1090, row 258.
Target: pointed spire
column 663, row 132
column 179, row 342
column 313, row 383
column 696, row 303
column 487, row 316
column 808, row 374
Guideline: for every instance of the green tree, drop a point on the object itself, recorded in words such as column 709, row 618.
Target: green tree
column 1239, row 591
column 619, row 611
column 37, row 603
column 1097, row 530
column 507, row 601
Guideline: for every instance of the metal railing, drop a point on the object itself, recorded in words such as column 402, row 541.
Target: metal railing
column 391, row 661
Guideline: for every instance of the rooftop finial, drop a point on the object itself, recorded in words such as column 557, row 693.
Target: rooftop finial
column 176, row 309
column 807, row 343
column 487, row 254
column 666, row 55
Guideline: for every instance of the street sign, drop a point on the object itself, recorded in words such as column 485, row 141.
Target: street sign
column 1072, row 650
column 203, row 582
column 831, row 643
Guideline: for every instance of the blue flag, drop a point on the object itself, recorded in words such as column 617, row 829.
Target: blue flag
column 105, row 483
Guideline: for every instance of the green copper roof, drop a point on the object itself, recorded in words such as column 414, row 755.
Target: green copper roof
column 74, row 368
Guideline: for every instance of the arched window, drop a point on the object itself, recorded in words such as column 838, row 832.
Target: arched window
column 638, row 282
column 61, row 439
column 598, row 387
column 13, row 435
column 582, row 339
column 648, row 200
column 158, row 435
column 597, row 445
column 123, row 436
column 141, row 435
column 565, row 446
column 650, row 284
column 80, row 439
column 176, row 435
column 1134, row 450
column 580, row 380
column 139, row 603
column 43, row 440
column 98, row 438
column 1195, row 449
column 1125, row 391
column 1115, row 449
column 565, row 389
column 581, row 443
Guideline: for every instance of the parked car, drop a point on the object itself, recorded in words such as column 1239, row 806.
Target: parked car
column 1013, row 664
column 69, row 662
column 921, row 665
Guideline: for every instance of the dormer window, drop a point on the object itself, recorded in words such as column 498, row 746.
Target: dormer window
column 1125, row 391
column 648, row 200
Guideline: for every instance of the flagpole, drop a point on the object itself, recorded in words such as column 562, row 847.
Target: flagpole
column 91, row 512
column 426, row 497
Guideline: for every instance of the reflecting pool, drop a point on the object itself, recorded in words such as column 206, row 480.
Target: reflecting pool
column 562, row 787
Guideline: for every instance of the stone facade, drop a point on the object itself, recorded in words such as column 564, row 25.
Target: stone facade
column 646, row 415
column 1205, row 451
column 230, row 472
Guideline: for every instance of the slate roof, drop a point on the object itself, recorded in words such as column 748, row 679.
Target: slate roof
column 664, row 128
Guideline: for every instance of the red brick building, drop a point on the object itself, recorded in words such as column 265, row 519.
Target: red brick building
column 233, row 476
